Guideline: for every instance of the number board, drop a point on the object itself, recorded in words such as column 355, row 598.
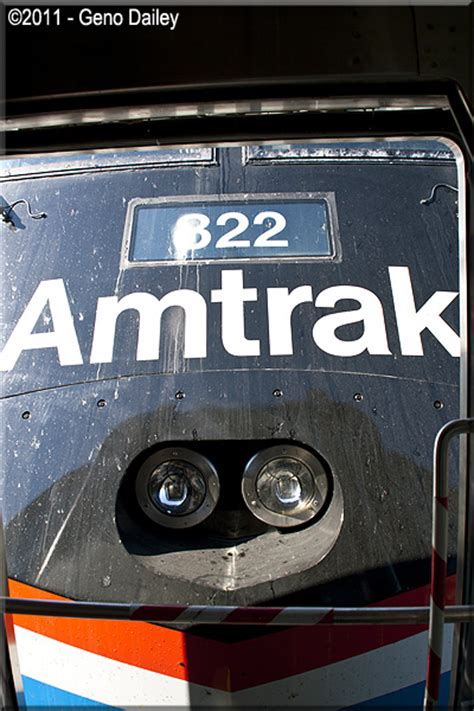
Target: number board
column 229, row 227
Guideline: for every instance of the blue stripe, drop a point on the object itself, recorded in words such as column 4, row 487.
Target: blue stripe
column 41, row 695
column 44, row 696
column 409, row 698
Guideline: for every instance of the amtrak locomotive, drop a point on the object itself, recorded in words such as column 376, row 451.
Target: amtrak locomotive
column 224, row 365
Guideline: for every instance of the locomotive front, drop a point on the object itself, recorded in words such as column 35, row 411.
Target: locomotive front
column 224, row 368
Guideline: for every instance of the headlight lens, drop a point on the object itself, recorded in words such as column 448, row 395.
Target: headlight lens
column 285, row 486
column 177, row 488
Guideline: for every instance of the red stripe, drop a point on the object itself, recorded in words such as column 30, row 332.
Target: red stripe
column 438, row 580
column 143, row 645
column 166, row 614
column 433, row 675
column 217, row 664
column 328, row 618
column 253, row 614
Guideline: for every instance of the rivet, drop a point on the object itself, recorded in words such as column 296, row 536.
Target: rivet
column 101, row 403
column 438, row 405
column 180, row 395
column 358, row 397
column 25, row 415
column 277, row 392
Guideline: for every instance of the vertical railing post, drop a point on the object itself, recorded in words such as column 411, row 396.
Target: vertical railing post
column 439, row 555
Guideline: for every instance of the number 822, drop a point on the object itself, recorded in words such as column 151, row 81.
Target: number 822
column 190, row 231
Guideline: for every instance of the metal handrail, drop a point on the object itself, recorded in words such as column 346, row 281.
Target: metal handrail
column 230, row 615
column 439, row 556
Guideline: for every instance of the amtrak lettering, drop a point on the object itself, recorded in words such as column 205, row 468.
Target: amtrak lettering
column 233, row 295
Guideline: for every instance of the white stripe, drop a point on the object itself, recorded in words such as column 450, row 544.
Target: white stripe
column 437, row 630
column 104, row 680
column 344, row 683
column 190, row 615
column 353, row 680
column 293, row 617
column 441, row 540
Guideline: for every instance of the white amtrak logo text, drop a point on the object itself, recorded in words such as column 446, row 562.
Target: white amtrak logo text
column 233, row 295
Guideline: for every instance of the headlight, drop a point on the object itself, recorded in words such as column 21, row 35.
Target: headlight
column 285, row 485
column 177, row 487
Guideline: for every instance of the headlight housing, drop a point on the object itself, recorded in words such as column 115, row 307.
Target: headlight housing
column 177, row 488
column 285, row 486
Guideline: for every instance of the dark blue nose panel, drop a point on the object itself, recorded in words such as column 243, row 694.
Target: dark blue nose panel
column 111, row 352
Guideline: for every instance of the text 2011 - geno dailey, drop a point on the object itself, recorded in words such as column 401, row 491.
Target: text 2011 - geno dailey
column 132, row 16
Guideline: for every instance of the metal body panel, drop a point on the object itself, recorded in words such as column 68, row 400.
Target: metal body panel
column 71, row 527
column 372, row 201
column 72, row 517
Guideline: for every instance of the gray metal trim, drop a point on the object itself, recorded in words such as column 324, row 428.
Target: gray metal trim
column 466, row 317
column 328, row 197
column 11, row 684
column 216, row 614
column 439, row 546
column 221, row 108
